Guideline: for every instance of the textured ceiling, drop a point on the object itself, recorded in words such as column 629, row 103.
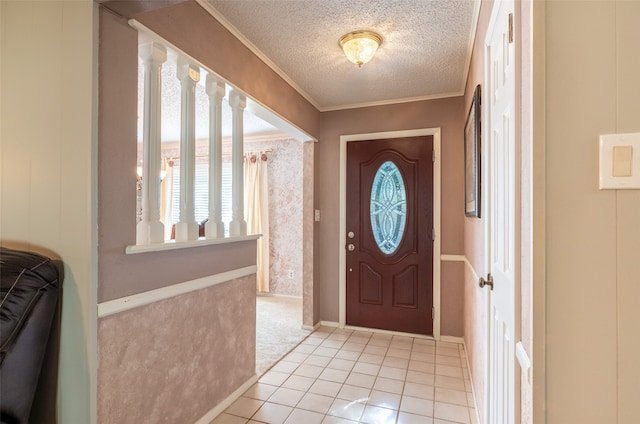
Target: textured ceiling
column 425, row 51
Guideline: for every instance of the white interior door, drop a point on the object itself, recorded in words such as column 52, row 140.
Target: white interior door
column 500, row 96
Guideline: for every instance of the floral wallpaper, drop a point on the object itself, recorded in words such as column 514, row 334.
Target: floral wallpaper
column 285, row 165
column 286, row 170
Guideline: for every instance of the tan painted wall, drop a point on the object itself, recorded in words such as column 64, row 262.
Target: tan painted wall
column 475, row 309
column 47, row 174
column 445, row 113
column 593, row 236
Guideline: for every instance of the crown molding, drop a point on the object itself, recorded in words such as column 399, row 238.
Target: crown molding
column 231, row 28
column 244, row 40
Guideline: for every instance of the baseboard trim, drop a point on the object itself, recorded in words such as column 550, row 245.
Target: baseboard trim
column 219, row 408
column 473, row 389
column 271, row 294
column 393, row 333
column 450, row 339
column 311, row 327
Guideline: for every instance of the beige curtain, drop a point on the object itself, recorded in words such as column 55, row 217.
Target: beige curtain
column 166, row 196
column 256, row 206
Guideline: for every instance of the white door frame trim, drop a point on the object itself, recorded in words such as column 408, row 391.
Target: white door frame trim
column 344, row 139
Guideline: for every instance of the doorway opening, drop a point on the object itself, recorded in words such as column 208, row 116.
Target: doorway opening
column 280, row 300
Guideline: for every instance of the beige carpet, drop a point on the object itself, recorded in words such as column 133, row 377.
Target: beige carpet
column 279, row 329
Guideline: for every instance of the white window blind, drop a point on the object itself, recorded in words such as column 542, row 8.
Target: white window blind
column 202, row 194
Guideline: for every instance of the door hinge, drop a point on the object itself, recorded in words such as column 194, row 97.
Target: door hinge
column 433, row 312
column 433, row 156
column 433, row 234
column 510, row 28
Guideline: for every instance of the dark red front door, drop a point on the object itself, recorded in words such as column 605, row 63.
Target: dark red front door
column 389, row 221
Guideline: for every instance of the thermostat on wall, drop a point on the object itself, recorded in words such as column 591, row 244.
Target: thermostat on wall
column 620, row 161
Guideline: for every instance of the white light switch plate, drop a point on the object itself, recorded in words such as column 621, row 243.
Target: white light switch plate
column 627, row 147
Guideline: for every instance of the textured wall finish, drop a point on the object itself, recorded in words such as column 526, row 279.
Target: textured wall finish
column 285, row 211
column 175, row 360
column 310, row 308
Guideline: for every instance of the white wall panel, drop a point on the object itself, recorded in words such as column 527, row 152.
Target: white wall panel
column 593, row 236
column 47, row 186
column 628, row 215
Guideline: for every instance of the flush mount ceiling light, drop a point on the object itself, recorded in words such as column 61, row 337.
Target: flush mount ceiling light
column 360, row 46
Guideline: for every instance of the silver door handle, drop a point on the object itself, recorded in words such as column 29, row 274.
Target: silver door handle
column 351, row 247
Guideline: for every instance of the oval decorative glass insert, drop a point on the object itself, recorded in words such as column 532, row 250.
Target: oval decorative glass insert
column 388, row 207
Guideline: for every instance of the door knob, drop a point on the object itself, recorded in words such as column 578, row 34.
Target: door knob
column 351, row 247
column 487, row 282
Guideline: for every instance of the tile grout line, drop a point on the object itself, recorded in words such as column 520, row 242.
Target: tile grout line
column 360, row 352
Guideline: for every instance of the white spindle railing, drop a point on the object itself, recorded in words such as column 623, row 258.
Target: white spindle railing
column 237, row 226
column 214, row 227
column 187, row 227
column 150, row 229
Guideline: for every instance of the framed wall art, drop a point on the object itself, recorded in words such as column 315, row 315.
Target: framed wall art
column 472, row 157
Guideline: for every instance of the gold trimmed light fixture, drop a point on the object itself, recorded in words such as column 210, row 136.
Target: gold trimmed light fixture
column 360, row 46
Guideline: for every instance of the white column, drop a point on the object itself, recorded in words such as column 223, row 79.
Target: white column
column 187, row 227
column 237, row 226
column 150, row 229
column 214, row 227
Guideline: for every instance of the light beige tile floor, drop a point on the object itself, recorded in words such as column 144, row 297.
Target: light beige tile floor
column 338, row 376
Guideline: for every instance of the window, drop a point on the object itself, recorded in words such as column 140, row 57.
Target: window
column 202, row 193
column 388, row 207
